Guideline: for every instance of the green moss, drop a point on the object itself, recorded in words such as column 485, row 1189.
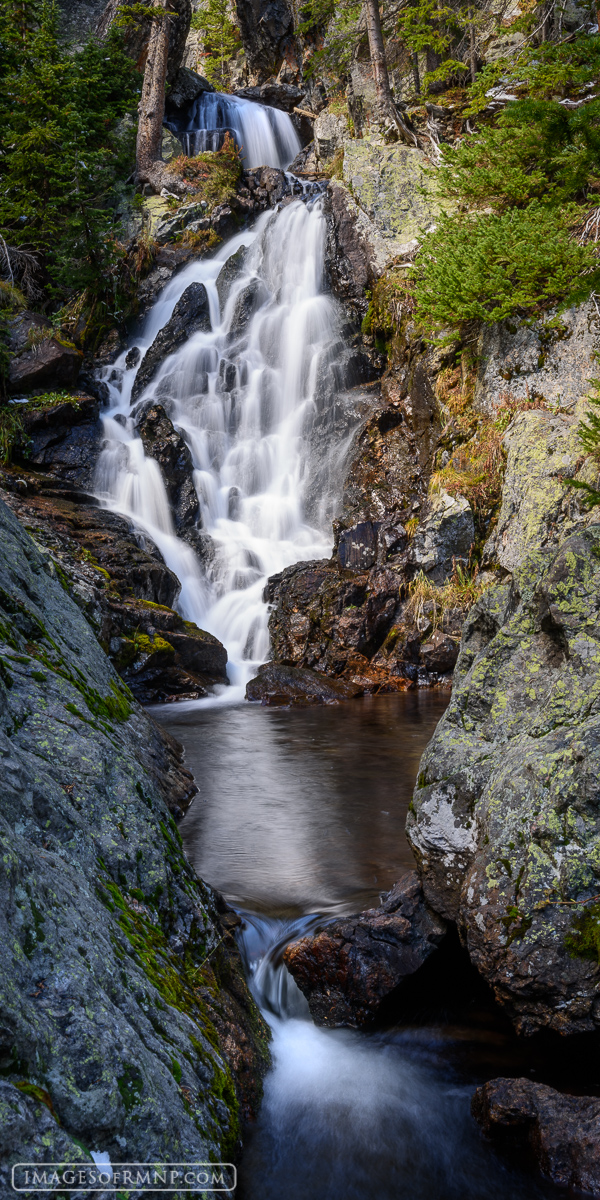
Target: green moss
column 583, row 939
column 131, row 1086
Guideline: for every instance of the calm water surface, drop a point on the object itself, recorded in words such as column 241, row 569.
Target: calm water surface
column 301, row 815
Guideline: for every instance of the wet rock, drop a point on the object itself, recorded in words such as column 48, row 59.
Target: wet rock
column 187, row 86
column 50, row 364
column 445, row 537
column 98, row 540
column 247, row 304
column 281, row 684
column 266, row 27
column 277, row 95
column 230, row 271
column 355, row 963
column 162, row 657
column 191, row 314
column 504, row 821
column 439, row 653
column 64, row 439
column 268, row 185
column 357, row 547
column 562, row 1132
column 95, row 891
column 167, row 447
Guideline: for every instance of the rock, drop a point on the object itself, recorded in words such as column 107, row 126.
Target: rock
column 26, row 330
column 166, row 446
column 282, row 684
column 190, row 315
column 439, row 653
column 247, row 304
column 329, row 133
column 504, row 821
column 562, row 1132
column 64, row 439
column 537, row 505
column 230, row 271
column 171, row 146
column 276, row 95
column 265, row 26
column 445, row 537
column 89, row 535
column 357, row 547
column 125, row 591
column 542, row 359
column 388, row 196
column 355, row 963
column 323, row 617
column 106, row 929
column 49, row 364
column 187, row 86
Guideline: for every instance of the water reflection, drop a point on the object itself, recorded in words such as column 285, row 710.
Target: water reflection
column 304, row 811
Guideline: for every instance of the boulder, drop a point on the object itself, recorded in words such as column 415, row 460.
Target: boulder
column 439, row 653
column 190, row 315
column 277, row 95
column 104, row 925
column 49, row 364
column 538, row 507
column 187, row 86
column 504, row 821
column 445, row 537
column 64, row 439
column 348, row 969
column 26, row 330
column 329, row 133
column 247, row 303
column 162, row 657
column 168, row 448
column 280, row 684
column 562, row 1132
column 230, row 271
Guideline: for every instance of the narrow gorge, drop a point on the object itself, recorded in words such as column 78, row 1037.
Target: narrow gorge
column 299, row 577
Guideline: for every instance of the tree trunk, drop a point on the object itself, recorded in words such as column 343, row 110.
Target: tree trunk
column 415, row 71
column 472, row 50
column 385, row 103
column 152, row 104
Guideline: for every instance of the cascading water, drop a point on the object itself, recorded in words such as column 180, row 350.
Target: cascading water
column 264, row 135
column 259, row 400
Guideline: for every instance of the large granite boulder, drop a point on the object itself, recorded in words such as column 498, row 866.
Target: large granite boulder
column 504, row 821
column 355, row 963
column 190, row 315
column 126, row 1023
column 562, row 1132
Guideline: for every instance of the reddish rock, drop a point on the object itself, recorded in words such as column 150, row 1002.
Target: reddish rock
column 563, row 1132
column 348, row 969
column 280, row 684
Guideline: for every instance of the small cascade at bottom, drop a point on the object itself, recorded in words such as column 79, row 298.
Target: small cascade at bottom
column 260, row 401
column 355, row 1116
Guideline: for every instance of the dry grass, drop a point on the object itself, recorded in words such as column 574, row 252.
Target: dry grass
column 459, row 592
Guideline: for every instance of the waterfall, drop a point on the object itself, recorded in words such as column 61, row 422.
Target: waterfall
column 259, row 399
column 265, row 135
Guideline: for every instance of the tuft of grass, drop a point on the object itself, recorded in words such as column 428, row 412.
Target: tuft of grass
column 214, row 175
column 12, row 433
column 459, row 592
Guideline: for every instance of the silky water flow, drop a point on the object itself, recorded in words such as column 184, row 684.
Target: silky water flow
column 265, row 135
column 264, row 412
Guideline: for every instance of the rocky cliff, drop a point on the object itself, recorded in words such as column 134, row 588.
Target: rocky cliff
column 126, row 1025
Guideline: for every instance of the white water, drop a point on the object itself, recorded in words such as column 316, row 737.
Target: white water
column 260, row 411
column 265, row 135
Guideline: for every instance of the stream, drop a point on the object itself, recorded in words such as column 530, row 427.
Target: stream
column 301, row 813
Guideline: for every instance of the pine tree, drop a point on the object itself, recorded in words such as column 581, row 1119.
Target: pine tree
column 221, row 39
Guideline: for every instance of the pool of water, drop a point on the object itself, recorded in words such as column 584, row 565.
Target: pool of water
column 300, row 815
